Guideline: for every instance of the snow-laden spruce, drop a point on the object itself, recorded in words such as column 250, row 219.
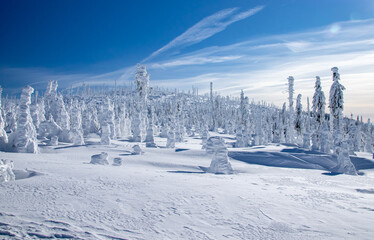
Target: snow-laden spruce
column 25, row 136
column 336, row 105
column 220, row 161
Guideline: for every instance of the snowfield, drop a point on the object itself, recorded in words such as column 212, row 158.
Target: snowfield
column 276, row 192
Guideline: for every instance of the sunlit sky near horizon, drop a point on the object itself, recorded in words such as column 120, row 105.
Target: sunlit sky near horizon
column 237, row 44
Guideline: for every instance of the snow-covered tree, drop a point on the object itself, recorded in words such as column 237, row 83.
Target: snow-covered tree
column 319, row 102
column 76, row 124
column 3, row 135
column 170, row 143
column 204, row 137
column 290, row 133
column 25, row 136
column 299, row 121
column 336, row 105
column 368, row 138
column 149, row 139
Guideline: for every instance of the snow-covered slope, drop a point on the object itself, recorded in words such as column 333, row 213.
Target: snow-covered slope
column 277, row 192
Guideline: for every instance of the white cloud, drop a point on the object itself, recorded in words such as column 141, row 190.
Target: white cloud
column 194, row 60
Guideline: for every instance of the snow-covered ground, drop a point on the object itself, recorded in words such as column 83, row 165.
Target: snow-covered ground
column 277, row 192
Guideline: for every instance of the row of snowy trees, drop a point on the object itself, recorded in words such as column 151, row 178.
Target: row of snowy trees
column 140, row 113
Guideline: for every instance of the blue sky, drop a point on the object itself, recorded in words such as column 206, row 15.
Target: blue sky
column 249, row 45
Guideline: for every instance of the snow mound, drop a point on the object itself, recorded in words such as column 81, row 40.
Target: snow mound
column 101, row 159
column 22, row 174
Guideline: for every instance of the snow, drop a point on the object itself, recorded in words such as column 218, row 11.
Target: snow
column 278, row 192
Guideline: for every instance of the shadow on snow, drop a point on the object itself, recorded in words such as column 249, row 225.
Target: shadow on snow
column 297, row 158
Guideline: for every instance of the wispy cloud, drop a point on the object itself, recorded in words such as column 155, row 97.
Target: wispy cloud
column 193, row 60
column 206, row 28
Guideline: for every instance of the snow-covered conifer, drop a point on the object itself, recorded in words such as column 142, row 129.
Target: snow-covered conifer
column 368, row 138
column 204, row 137
column 319, row 102
column 149, row 139
column 170, row 143
column 336, row 108
column 3, row 135
column 290, row 133
column 306, row 137
column 299, row 121
column 76, row 124
column 25, row 136
column 107, row 117
column 105, row 134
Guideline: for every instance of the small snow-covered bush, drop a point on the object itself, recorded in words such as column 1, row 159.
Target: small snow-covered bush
column 220, row 161
column 137, row 150
column 117, row 161
column 101, row 159
column 6, row 171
